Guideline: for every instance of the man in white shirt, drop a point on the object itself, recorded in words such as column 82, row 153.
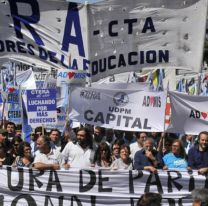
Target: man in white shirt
column 47, row 158
column 138, row 145
column 80, row 154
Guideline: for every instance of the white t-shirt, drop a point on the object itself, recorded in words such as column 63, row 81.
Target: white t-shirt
column 134, row 147
column 53, row 157
column 76, row 156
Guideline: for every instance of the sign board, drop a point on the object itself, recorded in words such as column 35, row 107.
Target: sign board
column 41, row 107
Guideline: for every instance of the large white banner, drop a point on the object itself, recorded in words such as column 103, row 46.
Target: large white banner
column 189, row 114
column 22, row 187
column 134, row 34
column 128, row 109
column 44, row 33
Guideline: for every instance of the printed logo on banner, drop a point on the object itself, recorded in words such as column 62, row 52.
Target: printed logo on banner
column 151, row 101
column 121, row 99
column 198, row 115
column 72, row 75
column 90, row 95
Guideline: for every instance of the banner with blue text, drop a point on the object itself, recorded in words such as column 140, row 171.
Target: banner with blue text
column 44, row 33
column 136, row 34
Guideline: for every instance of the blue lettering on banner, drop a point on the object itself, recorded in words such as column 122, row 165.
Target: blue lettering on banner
column 73, row 19
column 41, row 101
column 26, row 20
column 13, row 97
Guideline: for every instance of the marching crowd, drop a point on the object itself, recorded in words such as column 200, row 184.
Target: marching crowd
column 96, row 147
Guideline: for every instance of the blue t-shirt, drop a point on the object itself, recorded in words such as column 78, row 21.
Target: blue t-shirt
column 174, row 162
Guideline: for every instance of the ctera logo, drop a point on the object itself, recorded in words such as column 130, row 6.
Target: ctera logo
column 198, row 115
column 121, row 99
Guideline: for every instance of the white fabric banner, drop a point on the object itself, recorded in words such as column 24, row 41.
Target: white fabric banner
column 188, row 113
column 44, row 33
column 135, row 34
column 127, row 109
column 23, row 187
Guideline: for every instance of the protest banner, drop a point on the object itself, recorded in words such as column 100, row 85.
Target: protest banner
column 107, row 38
column 136, row 34
column 129, row 109
column 14, row 106
column 89, row 187
column 41, row 107
column 44, row 33
column 189, row 114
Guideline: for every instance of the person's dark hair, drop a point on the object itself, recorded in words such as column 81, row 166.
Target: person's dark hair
column 18, row 127
column 137, row 134
column 89, row 138
column 182, row 152
column 124, row 146
column 97, row 157
column 119, row 134
column 150, row 199
column 47, row 140
column 11, row 123
column 200, row 195
column 21, row 148
column 40, row 129
column 203, row 132
column 117, row 142
column 101, row 129
column 16, row 139
column 54, row 129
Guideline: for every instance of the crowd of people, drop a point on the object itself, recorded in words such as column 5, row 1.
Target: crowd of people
column 96, row 147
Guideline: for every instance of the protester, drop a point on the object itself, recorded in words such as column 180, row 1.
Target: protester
column 156, row 136
column 11, row 127
column 24, row 158
column 150, row 199
column 200, row 197
column 103, row 156
column 198, row 154
column 138, row 145
column 124, row 162
column 79, row 154
column 115, row 149
column 37, row 133
column 187, row 141
column 129, row 137
column 176, row 159
column 5, row 158
column 4, row 139
column 98, row 136
column 164, row 145
column 48, row 158
column 15, row 146
column 147, row 158
column 54, row 136
column 110, row 137
column 18, row 131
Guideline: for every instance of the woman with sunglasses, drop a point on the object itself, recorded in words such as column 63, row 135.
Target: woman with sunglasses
column 24, row 159
column 15, row 146
column 176, row 159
